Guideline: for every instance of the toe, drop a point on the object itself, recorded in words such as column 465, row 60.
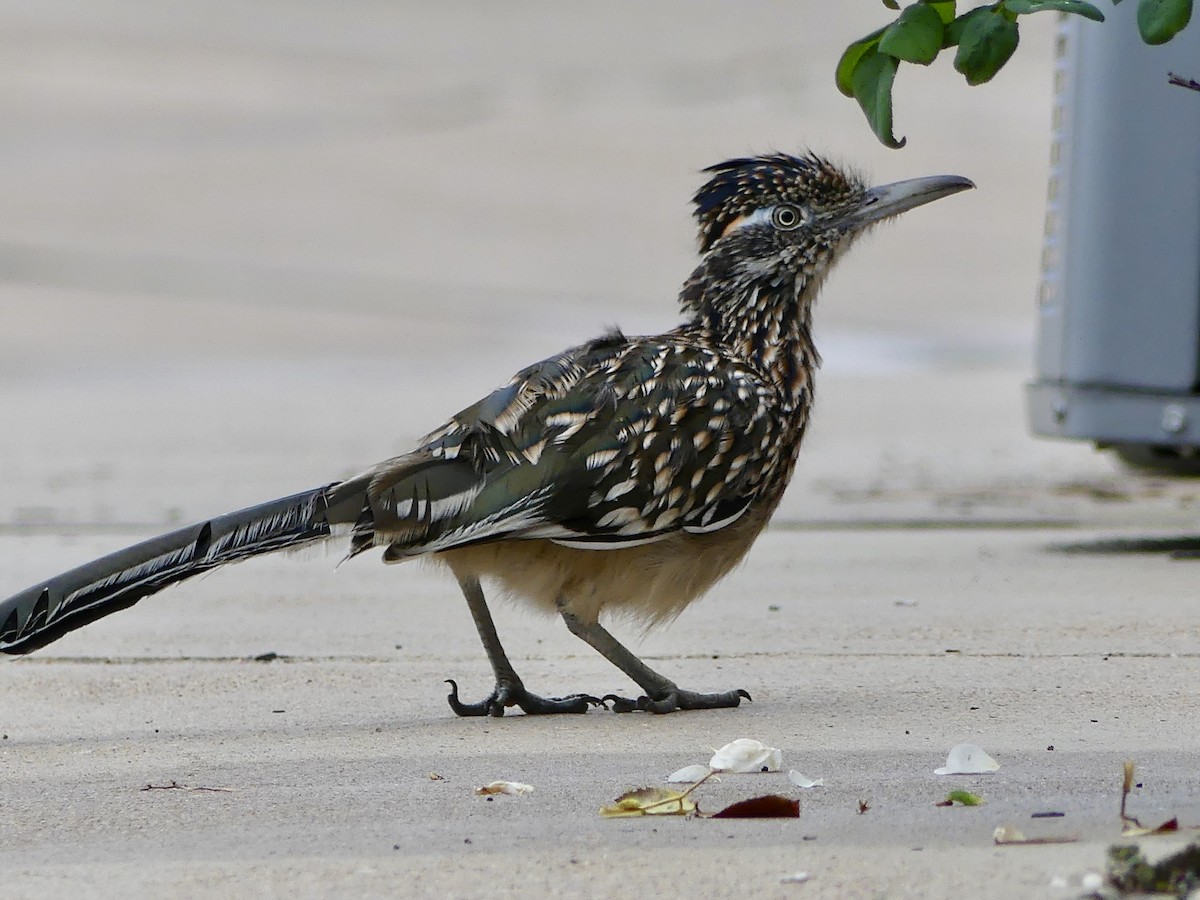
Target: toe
column 620, row 704
column 481, row 708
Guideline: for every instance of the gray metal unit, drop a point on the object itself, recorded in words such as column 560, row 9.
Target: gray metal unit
column 1118, row 355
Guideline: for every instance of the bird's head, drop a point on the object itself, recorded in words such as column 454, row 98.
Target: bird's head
column 771, row 228
column 800, row 209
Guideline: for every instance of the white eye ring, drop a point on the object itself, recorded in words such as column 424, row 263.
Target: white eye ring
column 785, row 217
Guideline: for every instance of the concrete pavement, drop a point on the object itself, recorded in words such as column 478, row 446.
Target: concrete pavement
column 249, row 248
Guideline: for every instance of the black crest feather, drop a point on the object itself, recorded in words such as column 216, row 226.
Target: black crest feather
column 740, row 186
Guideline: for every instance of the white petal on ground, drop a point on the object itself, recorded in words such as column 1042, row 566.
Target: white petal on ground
column 746, row 755
column 1008, row 834
column 804, row 781
column 967, row 759
column 504, row 787
column 796, row 878
column 688, row 774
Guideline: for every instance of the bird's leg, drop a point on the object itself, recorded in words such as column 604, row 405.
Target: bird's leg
column 509, row 690
column 662, row 694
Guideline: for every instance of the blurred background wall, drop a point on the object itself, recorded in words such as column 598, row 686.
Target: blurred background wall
column 240, row 241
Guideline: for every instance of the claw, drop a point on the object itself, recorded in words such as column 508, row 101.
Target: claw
column 506, row 694
column 482, row 708
column 678, row 700
column 621, row 704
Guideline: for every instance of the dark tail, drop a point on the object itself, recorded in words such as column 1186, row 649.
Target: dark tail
column 47, row 611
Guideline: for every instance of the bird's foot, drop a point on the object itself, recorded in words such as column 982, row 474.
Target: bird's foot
column 677, row 698
column 510, row 692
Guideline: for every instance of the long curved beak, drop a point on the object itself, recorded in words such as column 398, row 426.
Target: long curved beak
column 889, row 200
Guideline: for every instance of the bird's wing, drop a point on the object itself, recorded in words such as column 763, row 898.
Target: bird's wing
column 615, row 443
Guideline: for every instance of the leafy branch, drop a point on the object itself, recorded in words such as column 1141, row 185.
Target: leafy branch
column 985, row 37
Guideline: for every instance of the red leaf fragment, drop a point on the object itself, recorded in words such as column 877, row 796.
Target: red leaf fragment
column 771, row 806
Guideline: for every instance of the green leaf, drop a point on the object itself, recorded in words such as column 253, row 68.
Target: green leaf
column 872, row 82
column 851, row 57
column 891, row 4
column 955, row 28
column 944, row 9
column 965, row 798
column 1024, row 7
column 915, row 37
column 1160, row 20
column 988, row 40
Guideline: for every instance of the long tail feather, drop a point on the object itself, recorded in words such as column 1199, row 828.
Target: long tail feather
column 47, row 611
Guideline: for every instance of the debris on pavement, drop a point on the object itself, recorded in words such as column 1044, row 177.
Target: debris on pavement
column 802, row 781
column 741, row 756
column 688, row 774
column 514, row 788
column 967, row 759
column 772, row 806
column 746, row 755
column 660, row 801
column 176, row 786
column 1008, row 834
column 1131, row 827
column 650, row 801
column 962, row 798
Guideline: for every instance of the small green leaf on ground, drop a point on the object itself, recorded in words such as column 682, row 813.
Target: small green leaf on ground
column 962, row 798
column 1160, row 20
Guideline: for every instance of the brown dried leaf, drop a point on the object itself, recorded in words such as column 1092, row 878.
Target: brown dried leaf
column 1168, row 827
column 1130, row 826
column 770, row 806
column 1127, row 783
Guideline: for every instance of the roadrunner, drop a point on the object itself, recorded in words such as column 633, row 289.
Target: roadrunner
column 625, row 475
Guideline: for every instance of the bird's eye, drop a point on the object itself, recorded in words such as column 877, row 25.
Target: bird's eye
column 786, row 217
